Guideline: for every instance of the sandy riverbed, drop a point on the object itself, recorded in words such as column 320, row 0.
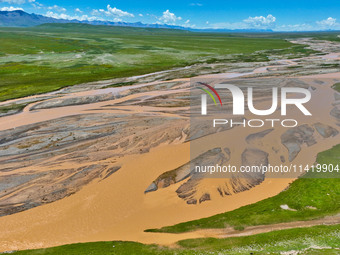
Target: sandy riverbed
column 116, row 208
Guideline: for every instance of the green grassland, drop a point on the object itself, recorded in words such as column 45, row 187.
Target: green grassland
column 313, row 240
column 318, row 35
column 302, row 195
column 12, row 107
column 336, row 86
column 51, row 56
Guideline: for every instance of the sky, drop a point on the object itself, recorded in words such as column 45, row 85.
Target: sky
column 285, row 15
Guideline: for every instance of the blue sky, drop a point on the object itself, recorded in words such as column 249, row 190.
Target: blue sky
column 298, row 15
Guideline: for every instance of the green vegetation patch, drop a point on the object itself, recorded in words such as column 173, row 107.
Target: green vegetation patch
column 12, row 107
column 310, row 198
column 273, row 242
column 313, row 240
column 51, row 56
column 336, row 86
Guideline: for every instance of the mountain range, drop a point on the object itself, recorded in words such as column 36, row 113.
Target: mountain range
column 19, row 18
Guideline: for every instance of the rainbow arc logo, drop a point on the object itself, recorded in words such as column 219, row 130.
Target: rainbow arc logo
column 209, row 93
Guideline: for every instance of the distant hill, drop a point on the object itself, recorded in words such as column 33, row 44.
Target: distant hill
column 98, row 29
column 23, row 19
column 20, row 18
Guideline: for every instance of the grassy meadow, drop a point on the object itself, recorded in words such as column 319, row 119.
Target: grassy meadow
column 336, row 86
column 313, row 241
column 51, row 56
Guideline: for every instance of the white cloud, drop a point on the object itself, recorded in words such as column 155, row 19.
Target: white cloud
column 330, row 22
column 13, row 1
column 17, row 1
column 59, row 15
column 269, row 22
column 257, row 22
column 117, row 12
column 169, row 18
column 295, row 27
column 152, row 16
column 10, row 9
column 187, row 24
column 228, row 25
column 196, row 4
column 56, row 8
column 78, row 10
column 37, row 5
column 261, row 22
column 112, row 12
column 140, row 15
column 69, row 17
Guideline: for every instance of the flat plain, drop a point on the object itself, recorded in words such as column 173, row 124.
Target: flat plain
column 95, row 125
column 49, row 57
